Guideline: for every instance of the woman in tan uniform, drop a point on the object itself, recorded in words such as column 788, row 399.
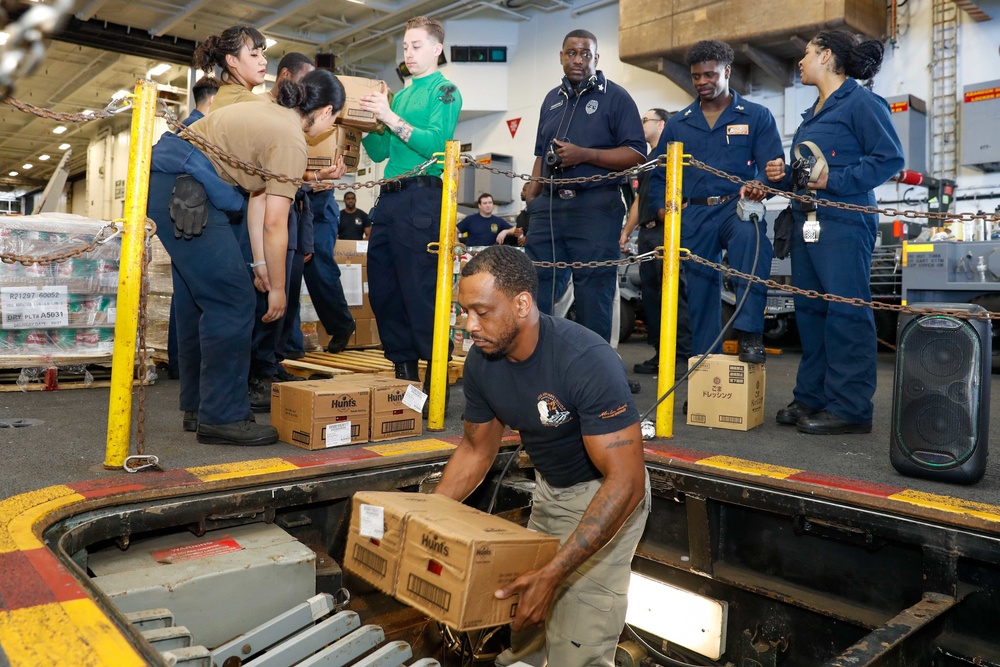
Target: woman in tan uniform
column 239, row 53
column 190, row 193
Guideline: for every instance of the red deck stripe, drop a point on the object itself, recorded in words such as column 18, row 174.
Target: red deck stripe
column 20, row 583
column 56, row 576
column 845, row 484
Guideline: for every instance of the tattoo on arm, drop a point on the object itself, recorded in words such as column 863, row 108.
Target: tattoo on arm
column 620, row 443
column 403, row 130
column 596, row 529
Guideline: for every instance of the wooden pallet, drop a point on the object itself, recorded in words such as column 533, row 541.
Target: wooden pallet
column 363, row 361
column 62, row 379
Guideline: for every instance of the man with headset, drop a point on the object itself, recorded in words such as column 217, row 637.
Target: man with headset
column 588, row 126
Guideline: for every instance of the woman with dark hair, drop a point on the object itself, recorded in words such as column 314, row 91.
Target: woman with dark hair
column 191, row 196
column 239, row 53
column 831, row 248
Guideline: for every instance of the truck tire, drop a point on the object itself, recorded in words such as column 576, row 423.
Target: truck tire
column 626, row 320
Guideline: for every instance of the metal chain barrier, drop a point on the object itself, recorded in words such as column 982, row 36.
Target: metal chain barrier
column 807, row 199
column 140, row 461
column 833, row 298
column 596, row 178
column 208, row 147
column 25, row 46
column 108, row 232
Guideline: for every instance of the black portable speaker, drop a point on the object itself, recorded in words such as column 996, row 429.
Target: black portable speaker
column 941, row 395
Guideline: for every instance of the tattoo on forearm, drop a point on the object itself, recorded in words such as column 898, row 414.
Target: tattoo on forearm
column 620, row 443
column 403, row 130
column 599, row 524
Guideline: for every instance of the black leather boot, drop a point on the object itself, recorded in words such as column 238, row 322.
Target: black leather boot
column 407, row 370
column 752, row 348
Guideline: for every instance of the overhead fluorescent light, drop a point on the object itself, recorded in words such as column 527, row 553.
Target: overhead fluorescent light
column 27, row 165
column 357, row 2
column 119, row 94
column 43, row 158
column 59, row 130
column 681, row 617
column 159, row 69
column 4, row 36
column 12, row 173
column 87, row 112
column 63, row 147
column 268, row 42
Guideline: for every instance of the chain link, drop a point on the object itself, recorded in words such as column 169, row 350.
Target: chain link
column 208, row 147
column 25, row 46
column 61, row 116
column 108, row 232
column 833, row 298
column 467, row 159
column 807, row 199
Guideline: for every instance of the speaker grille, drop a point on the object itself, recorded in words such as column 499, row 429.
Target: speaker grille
column 937, row 397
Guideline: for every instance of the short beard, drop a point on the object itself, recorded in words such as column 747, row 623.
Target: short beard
column 504, row 343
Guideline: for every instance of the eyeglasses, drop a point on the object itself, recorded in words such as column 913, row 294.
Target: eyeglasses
column 651, row 120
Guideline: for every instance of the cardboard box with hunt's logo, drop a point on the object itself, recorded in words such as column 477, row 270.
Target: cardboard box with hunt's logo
column 391, row 418
column 375, row 537
column 454, row 560
column 724, row 392
column 321, row 413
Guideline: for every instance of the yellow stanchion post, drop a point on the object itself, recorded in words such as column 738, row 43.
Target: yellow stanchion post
column 442, row 303
column 671, row 275
column 130, row 274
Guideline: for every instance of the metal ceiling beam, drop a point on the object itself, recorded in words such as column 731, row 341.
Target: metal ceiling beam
column 189, row 9
column 678, row 74
column 286, row 11
column 117, row 38
column 90, row 10
column 778, row 68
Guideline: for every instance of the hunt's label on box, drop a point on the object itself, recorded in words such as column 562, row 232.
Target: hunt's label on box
column 303, row 412
column 453, row 561
column 724, row 392
column 373, row 551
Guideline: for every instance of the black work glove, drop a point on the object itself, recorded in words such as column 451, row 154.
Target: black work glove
column 187, row 207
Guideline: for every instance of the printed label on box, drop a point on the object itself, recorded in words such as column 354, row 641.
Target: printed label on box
column 338, row 434
column 372, row 521
column 34, row 307
column 350, row 279
column 414, row 398
column 362, row 246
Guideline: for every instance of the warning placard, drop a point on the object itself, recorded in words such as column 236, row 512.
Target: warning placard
column 223, row 545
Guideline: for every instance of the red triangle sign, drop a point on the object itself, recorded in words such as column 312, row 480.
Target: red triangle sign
column 512, row 126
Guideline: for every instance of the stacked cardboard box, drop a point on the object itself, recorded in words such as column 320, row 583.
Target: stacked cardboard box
column 352, row 257
column 352, row 114
column 724, row 392
column 62, row 310
column 341, row 141
column 347, row 410
column 442, row 557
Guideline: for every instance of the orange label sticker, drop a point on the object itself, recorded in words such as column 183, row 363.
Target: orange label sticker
column 982, row 95
column 195, row 551
column 737, row 129
column 899, row 107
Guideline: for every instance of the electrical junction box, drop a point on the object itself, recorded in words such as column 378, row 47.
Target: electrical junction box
column 253, row 572
column 980, row 119
column 909, row 116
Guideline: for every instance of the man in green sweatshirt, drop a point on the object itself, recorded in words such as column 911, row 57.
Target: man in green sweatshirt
column 402, row 275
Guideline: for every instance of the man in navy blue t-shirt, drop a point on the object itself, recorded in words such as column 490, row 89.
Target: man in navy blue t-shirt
column 482, row 228
column 565, row 390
